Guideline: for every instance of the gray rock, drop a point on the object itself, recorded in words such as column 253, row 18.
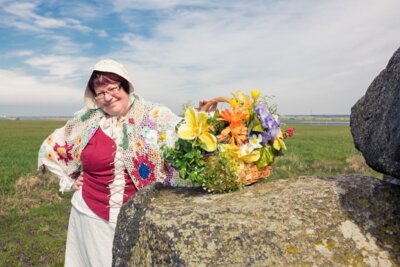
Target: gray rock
column 390, row 179
column 375, row 121
column 309, row 221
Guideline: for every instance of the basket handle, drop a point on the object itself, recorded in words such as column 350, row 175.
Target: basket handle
column 213, row 101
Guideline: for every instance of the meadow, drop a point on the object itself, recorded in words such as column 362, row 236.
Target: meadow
column 34, row 215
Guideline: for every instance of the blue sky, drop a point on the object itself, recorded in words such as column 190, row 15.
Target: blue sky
column 313, row 56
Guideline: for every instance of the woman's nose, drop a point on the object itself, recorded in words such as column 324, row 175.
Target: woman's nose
column 107, row 97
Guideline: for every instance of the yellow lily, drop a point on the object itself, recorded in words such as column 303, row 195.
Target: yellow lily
column 278, row 142
column 243, row 99
column 244, row 102
column 233, row 103
column 243, row 153
column 197, row 127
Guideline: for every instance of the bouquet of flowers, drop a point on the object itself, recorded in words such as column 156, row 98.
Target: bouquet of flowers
column 227, row 149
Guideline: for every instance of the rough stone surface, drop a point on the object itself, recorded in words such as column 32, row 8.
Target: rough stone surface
column 375, row 121
column 309, row 221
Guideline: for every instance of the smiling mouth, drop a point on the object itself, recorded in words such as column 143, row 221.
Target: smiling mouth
column 111, row 103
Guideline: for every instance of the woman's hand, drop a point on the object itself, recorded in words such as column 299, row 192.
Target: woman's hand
column 78, row 183
column 211, row 108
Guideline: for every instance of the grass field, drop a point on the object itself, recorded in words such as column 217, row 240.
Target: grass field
column 34, row 216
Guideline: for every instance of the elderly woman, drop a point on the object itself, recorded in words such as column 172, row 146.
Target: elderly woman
column 106, row 153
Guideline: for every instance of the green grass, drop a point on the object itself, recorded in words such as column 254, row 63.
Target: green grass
column 34, row 216
column 20, row 141
column 320, row 150
column 34, row 238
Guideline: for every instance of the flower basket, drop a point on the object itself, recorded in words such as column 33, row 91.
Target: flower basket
column 250, row 173
column 226, row 149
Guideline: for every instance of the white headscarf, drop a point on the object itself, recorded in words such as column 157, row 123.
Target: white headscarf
column 108, row 65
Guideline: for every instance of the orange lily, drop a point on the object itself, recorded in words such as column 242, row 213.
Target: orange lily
column 236, row 132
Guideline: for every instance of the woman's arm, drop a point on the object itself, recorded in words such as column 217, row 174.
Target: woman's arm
column 60, row 157
column 66, row 182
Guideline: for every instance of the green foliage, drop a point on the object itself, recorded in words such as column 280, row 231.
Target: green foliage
column 214, row 172
column 222, row 174
column 188, row 159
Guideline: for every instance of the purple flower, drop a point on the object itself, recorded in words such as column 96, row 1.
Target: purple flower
column 147, row 122
column 269, row 122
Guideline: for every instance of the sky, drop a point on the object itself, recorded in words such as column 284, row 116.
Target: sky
column 312, row 56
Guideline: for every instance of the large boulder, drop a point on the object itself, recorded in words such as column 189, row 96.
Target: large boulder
column 375, row 121
column 309, row 221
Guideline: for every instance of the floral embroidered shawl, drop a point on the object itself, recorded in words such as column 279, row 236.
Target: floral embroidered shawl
column 146, row 128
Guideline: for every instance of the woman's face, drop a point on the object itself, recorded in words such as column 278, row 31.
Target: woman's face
column 113, row 99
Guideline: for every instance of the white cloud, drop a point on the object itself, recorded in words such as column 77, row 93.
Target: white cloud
column 61, row 67
column 19, row 53
column 314, row 55
column 23, row 10
column 121, row 5
column 101, row 33
column 317, row 56
column 23, row 16
column 25, row 89
column 65, row 45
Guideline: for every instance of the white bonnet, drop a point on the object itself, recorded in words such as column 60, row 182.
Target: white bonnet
column 107, row 65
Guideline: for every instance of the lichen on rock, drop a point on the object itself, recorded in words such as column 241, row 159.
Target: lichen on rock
column 323, row 221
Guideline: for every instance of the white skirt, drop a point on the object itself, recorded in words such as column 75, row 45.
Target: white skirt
column 89, row 241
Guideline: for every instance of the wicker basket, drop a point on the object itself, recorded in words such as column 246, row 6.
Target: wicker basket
column 250, row 173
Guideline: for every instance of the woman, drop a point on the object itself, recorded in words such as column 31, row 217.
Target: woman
column 106, row 153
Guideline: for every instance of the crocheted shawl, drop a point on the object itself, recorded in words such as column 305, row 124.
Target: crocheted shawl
column 146, row 128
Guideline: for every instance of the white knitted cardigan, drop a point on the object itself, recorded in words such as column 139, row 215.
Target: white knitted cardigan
column 145, row 128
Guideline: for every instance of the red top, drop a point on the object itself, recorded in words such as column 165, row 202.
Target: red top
column 98, row 173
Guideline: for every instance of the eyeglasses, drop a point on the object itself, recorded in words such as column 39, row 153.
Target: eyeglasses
column 112, row 92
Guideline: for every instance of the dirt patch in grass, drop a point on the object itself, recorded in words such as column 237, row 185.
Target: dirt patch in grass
column 356, row 163
column 326, row 166
column 31, row 192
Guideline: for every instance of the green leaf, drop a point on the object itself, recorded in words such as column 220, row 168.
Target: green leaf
column 257, row 125
column 182, row 173
column 266, row 156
